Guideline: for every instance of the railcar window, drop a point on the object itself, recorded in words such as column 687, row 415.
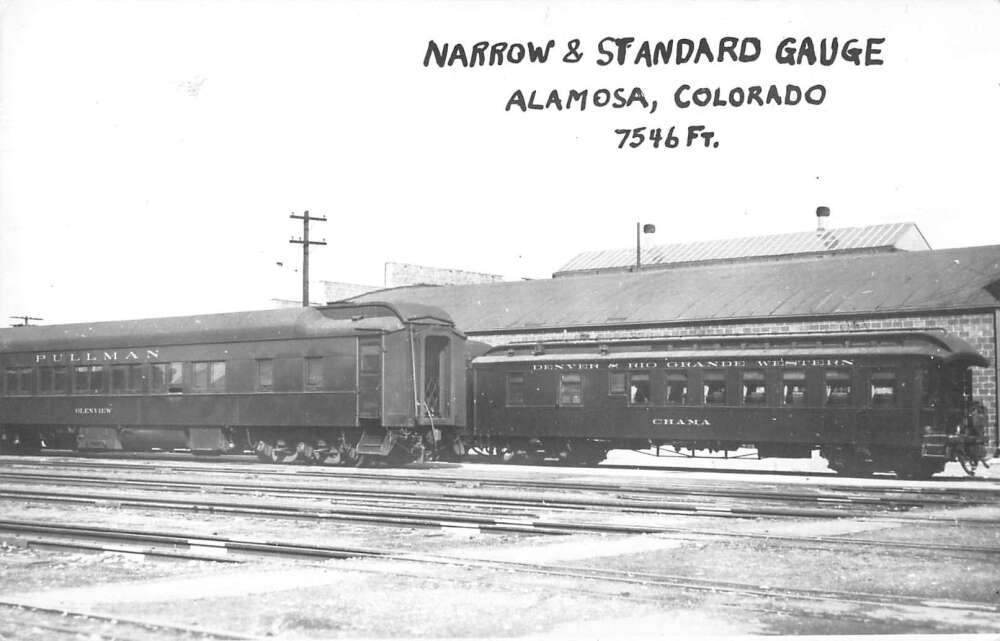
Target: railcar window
column 199, row 376
column 97, row 375
column 119, row 378
column 166, row 378
column 45, row 380
column 20, row 380
column 371, row 358
column 136, row 378
column 81, row 379
column 714, row 384
column 314, row 372
column 217, row 376
column 60, row 379
column 677, row 388
column 515, row 389
column 793, row 388
column 52, row 380
column 753, row 390
column 570, row 390
column 265, row 374
column 838, row 387
column 883, row 389
column 638, row 389
column 616, row 384
column 88, row 379
column 209, row 376
column 175, row 377
column 158, row 377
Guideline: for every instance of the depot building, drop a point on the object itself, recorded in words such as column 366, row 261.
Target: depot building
column 862, row 278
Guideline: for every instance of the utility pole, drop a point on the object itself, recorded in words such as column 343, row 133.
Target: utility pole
column 305, row 242
column 24, row 320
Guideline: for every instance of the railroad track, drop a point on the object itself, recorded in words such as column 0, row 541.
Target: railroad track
column 74, row 624
column 894, row 498
column 527, row 524
column 88, row 537
column 469, row 499
column 450, row 495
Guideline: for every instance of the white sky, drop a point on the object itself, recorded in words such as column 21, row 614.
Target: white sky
column 151, row 152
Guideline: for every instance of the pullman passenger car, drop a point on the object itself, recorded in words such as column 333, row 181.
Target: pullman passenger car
column 336, row 383
column 868, row 401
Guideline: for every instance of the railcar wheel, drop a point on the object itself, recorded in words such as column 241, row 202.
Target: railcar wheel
column 332, row 457
column 585, row 454
column 847, row 461
column 266, row 453
column 916, row 468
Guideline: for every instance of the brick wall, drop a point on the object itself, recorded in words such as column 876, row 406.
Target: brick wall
column 978, row 329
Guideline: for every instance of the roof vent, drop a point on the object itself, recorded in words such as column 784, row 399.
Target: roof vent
column 822, row 213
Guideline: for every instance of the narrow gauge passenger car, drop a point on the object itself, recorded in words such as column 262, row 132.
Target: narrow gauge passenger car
column 869, row 401
column 334, row 383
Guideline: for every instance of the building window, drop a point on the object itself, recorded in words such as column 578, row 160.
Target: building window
column 616, row 384
column 883, row 389
column 208, row 376
column 166, row 378
column 752, row 389
column 677, row 388
column 838, row 387
column 314, row 372
column 265, row 374
column 793, row 388
column 638, row 389
column 570, row 390
column 714, row 384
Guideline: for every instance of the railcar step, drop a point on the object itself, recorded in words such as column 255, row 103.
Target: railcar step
column 376, row 443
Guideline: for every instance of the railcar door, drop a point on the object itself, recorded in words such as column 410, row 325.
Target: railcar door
column 437, row 376
column 369, row 378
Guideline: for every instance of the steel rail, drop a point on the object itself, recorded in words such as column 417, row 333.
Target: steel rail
column 856, row 493
column 835, row 506
column 489, row 525
column 574, row 572
column 116, row 619
column 470, row 496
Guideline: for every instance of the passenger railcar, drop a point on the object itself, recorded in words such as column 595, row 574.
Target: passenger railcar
column 868, row 401
column 344, row 382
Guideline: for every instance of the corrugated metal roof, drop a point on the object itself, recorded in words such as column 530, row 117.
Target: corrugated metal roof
column 887, row 237
column 949, row 279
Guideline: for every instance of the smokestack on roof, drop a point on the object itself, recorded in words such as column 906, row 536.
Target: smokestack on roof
column 822, row 213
